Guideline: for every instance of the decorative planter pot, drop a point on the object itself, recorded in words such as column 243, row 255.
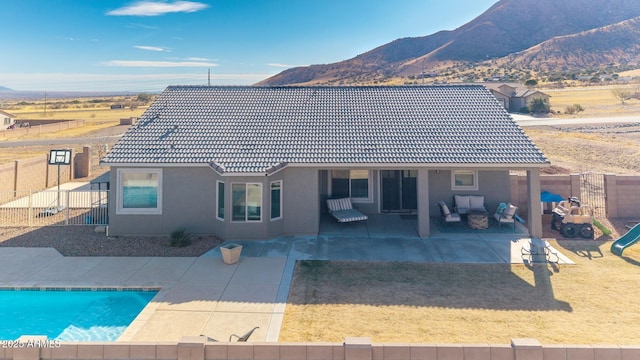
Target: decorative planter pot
column 230, row 253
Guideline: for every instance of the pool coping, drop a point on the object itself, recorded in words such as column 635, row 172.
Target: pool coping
column 82, row 288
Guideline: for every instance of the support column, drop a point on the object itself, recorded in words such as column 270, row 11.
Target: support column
column 423, row 203
column 611, row 195
column 575, row 185
column 357, row 348
column 533, row 205
column 191, row 347
column 527, row 349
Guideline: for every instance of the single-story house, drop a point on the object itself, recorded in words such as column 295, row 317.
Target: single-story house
column 7, row 119
column 249, row 162
column 514, row 97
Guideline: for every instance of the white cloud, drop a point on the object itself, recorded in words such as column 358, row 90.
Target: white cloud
column 156, row 8
column 152, row 48
column 120, row 82
column 197, row 59
column 142, row 26
column 143, row 63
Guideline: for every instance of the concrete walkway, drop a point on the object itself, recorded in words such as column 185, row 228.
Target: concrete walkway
column 204, row 296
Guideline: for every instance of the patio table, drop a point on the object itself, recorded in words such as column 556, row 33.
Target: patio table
column 478, row 220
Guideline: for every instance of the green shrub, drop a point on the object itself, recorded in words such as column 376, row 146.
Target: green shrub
column 180, row 238
column 573, row 109
column 539, row 106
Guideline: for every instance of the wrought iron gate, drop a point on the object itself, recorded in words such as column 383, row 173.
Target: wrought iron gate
column 51, row 207
column 592, row 193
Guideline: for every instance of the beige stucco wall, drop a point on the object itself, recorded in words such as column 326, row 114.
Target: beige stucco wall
column 622, row 198
column 622, row 195
column 196, row 348
column 494, row 185
column 189, row 200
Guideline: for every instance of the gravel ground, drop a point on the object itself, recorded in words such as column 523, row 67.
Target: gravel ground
column 84, row 241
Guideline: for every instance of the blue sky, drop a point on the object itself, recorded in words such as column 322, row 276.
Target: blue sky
column 144, row 46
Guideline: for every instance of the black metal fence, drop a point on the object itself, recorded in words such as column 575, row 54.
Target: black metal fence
column 52, row 207
column 592, row 192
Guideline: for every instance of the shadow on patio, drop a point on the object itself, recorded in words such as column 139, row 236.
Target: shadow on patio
column 406, row 225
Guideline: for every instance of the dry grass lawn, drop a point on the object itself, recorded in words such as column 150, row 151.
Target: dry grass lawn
column 604, row 149
column 593, row 302
column 596, row 101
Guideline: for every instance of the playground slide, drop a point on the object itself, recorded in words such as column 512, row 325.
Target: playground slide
column 626, row 240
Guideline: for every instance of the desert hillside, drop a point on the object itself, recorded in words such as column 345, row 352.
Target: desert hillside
column 603, row 32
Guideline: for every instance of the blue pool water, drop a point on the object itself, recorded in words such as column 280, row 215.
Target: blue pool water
column 75, row 315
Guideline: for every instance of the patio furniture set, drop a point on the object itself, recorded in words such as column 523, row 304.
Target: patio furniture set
column 477, row 216
column 470, row 206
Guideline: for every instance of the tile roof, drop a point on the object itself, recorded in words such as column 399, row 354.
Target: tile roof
column 248, row 129
column 6, row 114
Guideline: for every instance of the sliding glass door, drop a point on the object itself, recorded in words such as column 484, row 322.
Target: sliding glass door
column 399, row 190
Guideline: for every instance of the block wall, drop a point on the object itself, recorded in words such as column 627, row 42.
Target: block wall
column 197, row 348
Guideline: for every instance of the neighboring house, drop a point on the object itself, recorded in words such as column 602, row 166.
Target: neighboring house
column 7, row 119
column 514, row 97
column 259, row 162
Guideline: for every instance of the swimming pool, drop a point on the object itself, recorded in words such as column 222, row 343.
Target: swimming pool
column 70, row 315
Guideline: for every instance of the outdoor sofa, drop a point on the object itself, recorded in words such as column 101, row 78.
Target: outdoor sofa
column 343, row 210
column 463, row 204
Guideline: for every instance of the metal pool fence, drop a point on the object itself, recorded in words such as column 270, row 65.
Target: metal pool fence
column 52, row 207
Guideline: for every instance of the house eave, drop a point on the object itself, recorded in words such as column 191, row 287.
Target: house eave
column 435, row 166
column 139, row 164
column 371, row 166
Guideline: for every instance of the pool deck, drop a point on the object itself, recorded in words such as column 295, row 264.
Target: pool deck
column 204, row 296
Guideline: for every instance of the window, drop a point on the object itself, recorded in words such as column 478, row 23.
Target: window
column 139, row 191
column 7, row 121
column 220, row 211
column 276, row 200
column 247, row 202
column 350, row 183
column 464, row 180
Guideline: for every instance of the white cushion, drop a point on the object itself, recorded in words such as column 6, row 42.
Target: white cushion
column 509, row 211
column 476, row 201
column 445, row 208
column 462, row 201
column 339, row 204
column 452, row 218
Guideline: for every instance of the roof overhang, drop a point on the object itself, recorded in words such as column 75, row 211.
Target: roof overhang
column 221, row 171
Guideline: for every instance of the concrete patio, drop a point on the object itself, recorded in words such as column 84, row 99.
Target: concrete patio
column 204, row 296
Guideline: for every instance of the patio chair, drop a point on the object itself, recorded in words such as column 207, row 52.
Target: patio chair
column 343, row 210
column 446, row 215
column 506, row 214
column 244, row 337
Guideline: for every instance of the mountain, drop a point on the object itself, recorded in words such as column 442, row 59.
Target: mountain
column 2, row 88
column 507, row 28
column 611, row 44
